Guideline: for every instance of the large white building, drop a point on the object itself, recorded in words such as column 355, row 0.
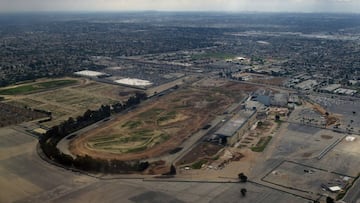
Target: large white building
column 134, row 82
column 89, row 73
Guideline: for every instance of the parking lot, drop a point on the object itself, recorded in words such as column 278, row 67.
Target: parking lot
column 303, row 178
column 305, row 142
column 308, row 116
column 348, row 109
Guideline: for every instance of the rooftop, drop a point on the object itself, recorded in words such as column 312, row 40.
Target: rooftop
column 89, row 73
column 235, row 123
column 331, row 87
column 134, row 82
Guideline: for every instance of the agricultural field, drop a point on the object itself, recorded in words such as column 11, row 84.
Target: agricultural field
column 10, row 115
column 158, row 127
column 36, row 87
column 71, row 99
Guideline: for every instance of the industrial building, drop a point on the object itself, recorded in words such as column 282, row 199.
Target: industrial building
column 262, row 96
column 89, row 73
column 307, row 85
column 267, row 98
column 134, row 82
column 330, row 88
column 279, row 100
column 235, row 128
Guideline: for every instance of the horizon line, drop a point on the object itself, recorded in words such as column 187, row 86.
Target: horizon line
column 174, row 11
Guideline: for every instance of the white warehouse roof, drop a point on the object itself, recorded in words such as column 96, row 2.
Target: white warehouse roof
column 89, row 73
column 134, row 82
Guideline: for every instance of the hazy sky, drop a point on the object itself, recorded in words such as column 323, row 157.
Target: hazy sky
column 182, row 5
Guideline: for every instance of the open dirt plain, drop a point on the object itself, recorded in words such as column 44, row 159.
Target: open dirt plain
column 71, row 100
column 24, row 177
column 157, row 127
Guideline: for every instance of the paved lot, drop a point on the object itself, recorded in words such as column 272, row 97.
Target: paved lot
column 348, row 108
column 303, row 144
column 301, row 177
column 255, row 194
column 300, row 141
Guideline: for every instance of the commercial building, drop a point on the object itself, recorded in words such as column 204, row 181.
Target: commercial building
column 307, row 85
column 345, row 91
column 134, row 82
column 89, row 73
column 330, row 88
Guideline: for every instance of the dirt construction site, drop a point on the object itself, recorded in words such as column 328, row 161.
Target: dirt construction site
column 157, row 127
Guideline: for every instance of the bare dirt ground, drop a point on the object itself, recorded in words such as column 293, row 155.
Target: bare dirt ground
column 277, row 81
column 233, row 161
column 205, row 151
column 73, row 100
column 331, row 119
column 262, row 79
column 193, row 107
column 252, row 137
column 239, row 160
column 24, row 177
column 10, row 115
column 235, row 87
column 153, row 90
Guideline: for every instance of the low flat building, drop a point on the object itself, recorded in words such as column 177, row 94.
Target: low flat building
column 262, row 96
column 330, row 88
column 254, row 105
column 353, row 82
column 134, row 82
column 307, row 85
column 345, row 91
column 279, row 99
column 89, row 73
column 235, row 128
column 294, row 99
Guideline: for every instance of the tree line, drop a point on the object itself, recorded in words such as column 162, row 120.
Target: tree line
column 49, row 141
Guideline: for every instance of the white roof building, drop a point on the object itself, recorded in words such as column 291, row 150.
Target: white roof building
column 134, row 82
column 334, row 188
column 89, row 73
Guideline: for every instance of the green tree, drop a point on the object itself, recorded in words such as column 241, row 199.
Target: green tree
column 242, row 177
column 329, row 200
column 243, row 192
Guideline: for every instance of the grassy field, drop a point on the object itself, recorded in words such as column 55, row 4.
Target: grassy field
column 41, row 86
column 260, row 146
column 198, row 164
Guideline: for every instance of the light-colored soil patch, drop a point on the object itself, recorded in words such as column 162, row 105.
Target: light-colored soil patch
column 16, row 188
column 229, row 170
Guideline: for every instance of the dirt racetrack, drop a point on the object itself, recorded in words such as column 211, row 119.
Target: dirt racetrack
column 157, row 126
